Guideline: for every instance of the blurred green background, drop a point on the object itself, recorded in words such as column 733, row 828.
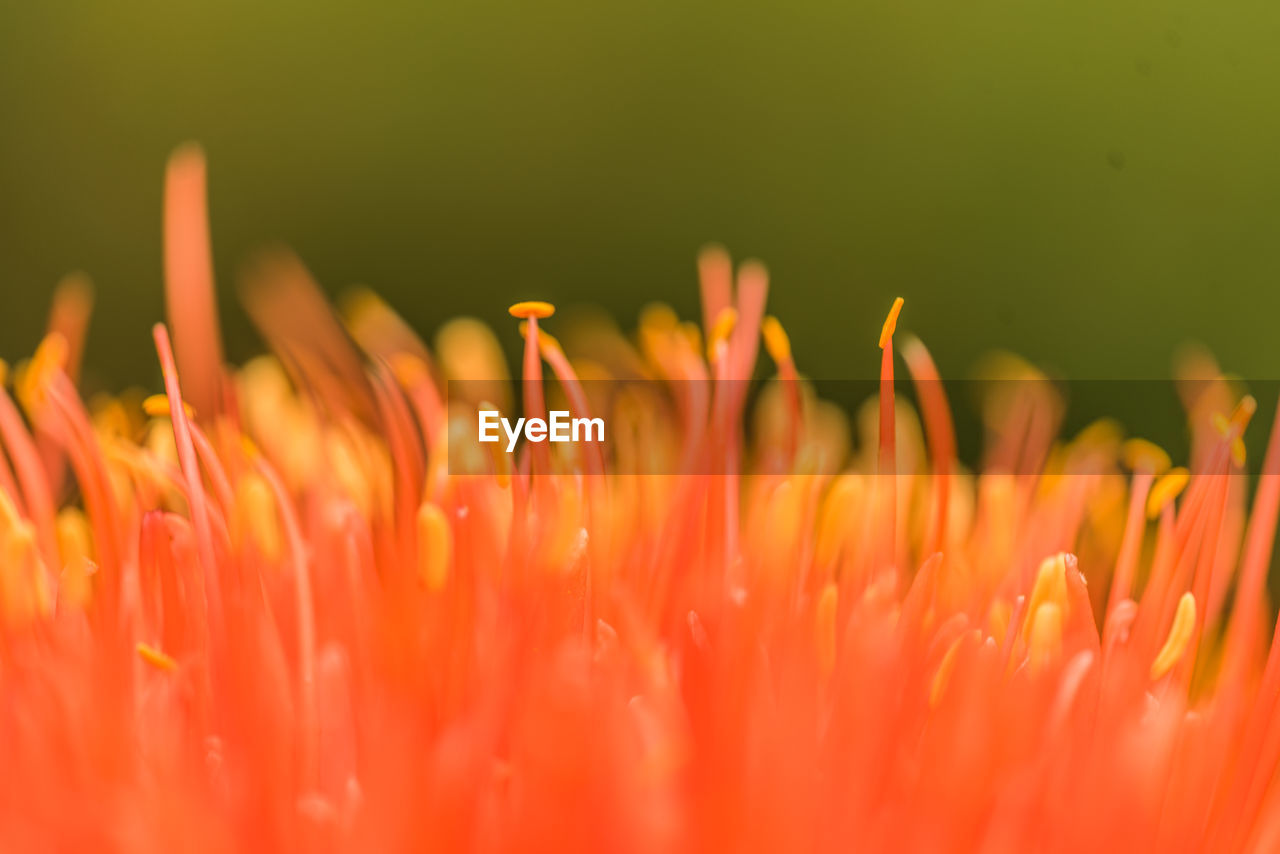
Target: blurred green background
column 1089, row 182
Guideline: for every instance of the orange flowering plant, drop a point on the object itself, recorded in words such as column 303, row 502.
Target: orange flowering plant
column 297, row 606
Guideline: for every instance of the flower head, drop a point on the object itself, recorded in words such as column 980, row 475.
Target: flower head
column 296, row 605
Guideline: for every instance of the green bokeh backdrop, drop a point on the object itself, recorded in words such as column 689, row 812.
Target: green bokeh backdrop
column 1089, row 182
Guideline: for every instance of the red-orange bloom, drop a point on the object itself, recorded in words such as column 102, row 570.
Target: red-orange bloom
column 295, row 606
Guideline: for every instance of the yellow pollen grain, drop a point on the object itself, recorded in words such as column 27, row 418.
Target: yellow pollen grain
column 1141, row 455
column 532, row 308
column 1184, row 622
column 156, row 658
column 776, row 340
column 726, row 320
column 435, row 547
column 890, row 323
column 157, row 406
column 825, row 628
column 1166, row 489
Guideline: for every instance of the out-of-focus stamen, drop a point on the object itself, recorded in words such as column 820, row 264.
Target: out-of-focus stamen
column 1184, row 621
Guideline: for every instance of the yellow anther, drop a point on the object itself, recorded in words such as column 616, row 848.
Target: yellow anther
column 9, row 516
column 1050, row 589
column 844, row 503
column 1166, row 489
column 1184, row 623
column 948, row 664
column 1243, row 412
column 659, row 317
column 1220, row 424
column 157, row 406
column 360, row 302
column 33, row 377
column 156, row 658
column 4, row 372
column 776, row 340
column 693, row 334
column 409, row 370
column 726, row 320
column 255, row 506
column 1237, row 451
column 1141, row 455
column 532, row 308
column 435, row 547
column 1104, row 432
column 1045, row 641
column 250, row 448
column 75, row 547
column 998, row 617
column 350, row 468
column 890, row 323
column 825, row 628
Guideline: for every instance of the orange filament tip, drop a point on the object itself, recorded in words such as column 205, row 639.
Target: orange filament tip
column 720, row 332
column 1184, row 621
column 1141, row 455
column 156, row 658
column 157, row 406
column 890, row 323
column 532, row 308
column 1166, row 489
column 776, row 340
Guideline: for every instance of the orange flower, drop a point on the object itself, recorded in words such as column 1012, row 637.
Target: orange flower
column 297, row 606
